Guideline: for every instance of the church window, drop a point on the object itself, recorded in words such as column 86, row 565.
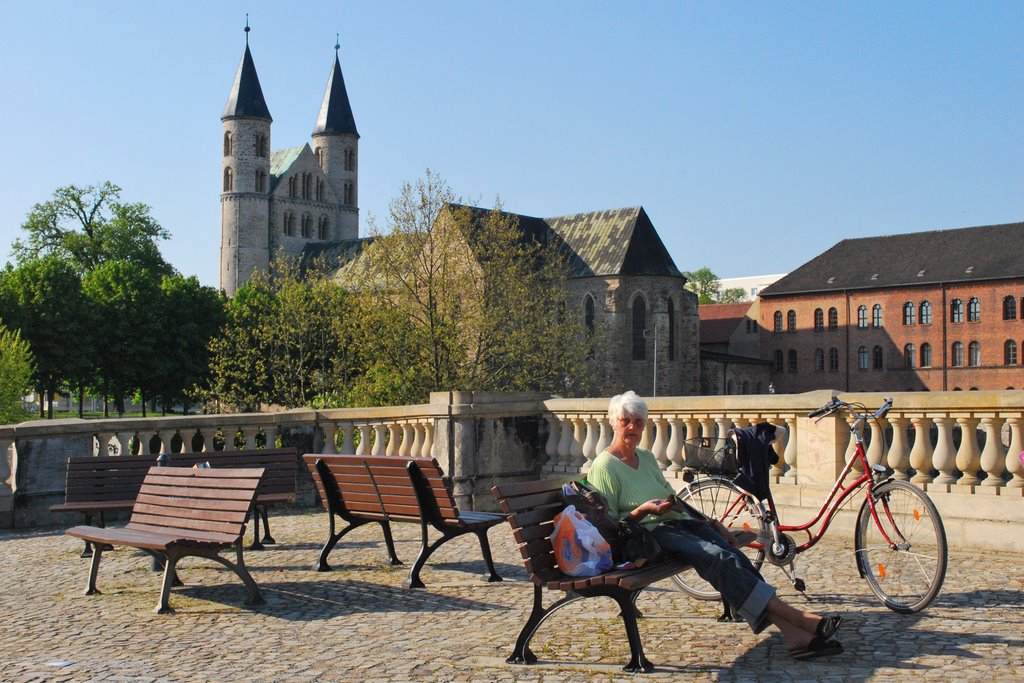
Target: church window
column 289, row 223
column 350, row 160
column 909, row 311
column 1009, row 308
column 819, row 320
column 261, row 146
column 909, row 356
column 792, row 360
column 973, row 310
column 1010, row 352
column 958, row 354
column 307, row 225
column 227, row 143
column 261, row 181
column 926, row 313
column 862, row 358
column 229, row 181
column 926, row 355
column 974, row 354
column 671, row 330
column 876, row 315
column 862, row 316
column 588, row 314
column 319, row 190
column 307, row 185
column 791, row 321
column 833, row 319
column 778, row 360
column 293, row 187
column 348, row 194
column 956, row 311
column 778, row 321
column 319, row 157
column 323, row 228
column 639, row 329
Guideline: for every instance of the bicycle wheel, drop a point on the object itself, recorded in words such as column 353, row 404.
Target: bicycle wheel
column 907, row 573
column 721, row 499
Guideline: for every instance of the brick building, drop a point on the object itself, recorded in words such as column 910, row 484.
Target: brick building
column 927, row 311
column 730, row 352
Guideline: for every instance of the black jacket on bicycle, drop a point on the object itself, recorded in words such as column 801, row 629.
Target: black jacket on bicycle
column 755, row 457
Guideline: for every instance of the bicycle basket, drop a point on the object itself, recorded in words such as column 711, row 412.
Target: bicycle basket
column 701, row 455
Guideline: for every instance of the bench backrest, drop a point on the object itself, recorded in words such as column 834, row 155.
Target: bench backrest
column 212, row 504
column 531, row 508
column 279, row 464
column 384, row 487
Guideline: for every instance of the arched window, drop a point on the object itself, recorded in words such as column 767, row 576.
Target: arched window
column 588, row 314
column 1010, row 352
column 227, row 143
column 819, row 360
column 307, row 185
column 958, row 355
column 319, row 190
column 293, row 187
column 792, row 360
column 319, row 157
column 671, row 330
column 819, row 320
column 778, row 361
column 926, row 313
column 909, row 356
column 324, row 228
column 639, row 328
column 350, row 160
column 974, row 354
column 1009, row 308
column 289, row 223
column 833, row 319
column 791, row 321
column 778, row 321
column 876, row 356
column 876, row 315
column 261, row 181
column 862, row 316
column 348, row 194
column 261, row 146
column 229, row 179
column 862, row 358
column 307, row 225
column 926, row 355
column 956, row 311
column 833, row 359
column 973, row 310
column 909, row 311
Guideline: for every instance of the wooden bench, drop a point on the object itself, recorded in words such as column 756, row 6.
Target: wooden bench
column 531, row 508
column 384, row 489
column 98, row 484
column 183, row 512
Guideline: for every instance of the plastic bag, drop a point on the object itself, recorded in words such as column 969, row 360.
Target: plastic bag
column 580, row 550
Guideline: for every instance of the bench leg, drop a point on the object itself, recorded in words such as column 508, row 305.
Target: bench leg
column 485, row 550
column 638, row 663
column 389, row 542
column 239, row 568
column 522, row 653
column 94, row 568
column 256, row 545
column 163, row 602
column 267, row 538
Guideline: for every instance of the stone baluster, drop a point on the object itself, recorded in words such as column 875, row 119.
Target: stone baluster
column 330, row 430
column 944, row 457
column 647, row 438
column 379, row 439
column 251, row 432
column 877, row 449
column 660, row 445
column 604, row 439
column 993, row 457
column 124, row 440
column 898, row 459
column 166, row 436
column 692, row 432
column 417, row 439
column 851, row 447
column 273, row 432
column 427, row 450
column 724, row 424
column 565, row 445
column 103, row 442
column 394, row 439
column 364, row 440
column 968, row 457
column 675, row 444
column 348, row 446
column 408, row 435
column 576, row 447
column 779, row 468
column 551, row 446
column 707, row 429
column 1013, row 463
column 921, row 453
column 590, row 442
column 6, row 460
column 789, row 454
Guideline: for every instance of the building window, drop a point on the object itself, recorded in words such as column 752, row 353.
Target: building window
column 323, row 228
column 293, row 187
column 1009, row 308
column 319, row 157
column 974, row 354
column 1010, row 352
column 792, row 360
column 639, row 328
column 349, row 194
column 876, row 356
column 229, row 179
column 289, row 223
column 926, row 313
column 819, row 360
column 819, row 320
column 876, row 315
column 671, row 330
column 909, row 311
column 319, row 190
column 227, row 143
column 588, row 314
column 307, row 185
column 833, row 359
column 261, row 146
column 909, row 356
column 307, row 225
column 956, row 311
column 958, row 355
column 862, row 316
column 778, row 361
column 926, row 355
column 350, row 160
column 261, row 181
column 833, row 319
column 973, row 310
column 791, row 321
column 862, row 358
column 778, row 321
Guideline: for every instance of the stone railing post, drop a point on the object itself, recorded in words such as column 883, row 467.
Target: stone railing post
column 379, row 439
column 675, row 444
column 123, row 442
column 427, row 449
column 993, row 457
column 348, row 446
column 590, row 442
column 660, row 445
column 707, row 428
column 851, row 446
column 166, row 436
column 604, row 438
column 877, row 449
column 6, row 474
column 944, row 457
column 405, row 448
column 921, row 453
column 576, row 447
column 1013, row 463
column 968, row 457
column 899, row 452
column 565, row 445
column 551, row 445
column 394, row 439
column 103, row 439
column 791, row 449
column 647, row 438
column 330, row 430
column 418, row 429
column 365, row 440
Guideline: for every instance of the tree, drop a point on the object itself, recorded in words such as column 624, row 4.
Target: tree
column 704, row 284
column 732, row 295
column 16, row 366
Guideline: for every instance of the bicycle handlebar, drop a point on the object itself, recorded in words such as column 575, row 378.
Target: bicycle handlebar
column 835, row 405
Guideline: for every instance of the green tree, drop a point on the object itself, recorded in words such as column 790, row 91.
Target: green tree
column 732, row 295
column 704, row 284
column 16, row 366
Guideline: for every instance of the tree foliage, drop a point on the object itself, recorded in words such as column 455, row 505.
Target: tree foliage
column 706, row 285
column 16, row 366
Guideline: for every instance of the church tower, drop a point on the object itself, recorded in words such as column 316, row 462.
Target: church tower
column 336, row 146
column 245, row 178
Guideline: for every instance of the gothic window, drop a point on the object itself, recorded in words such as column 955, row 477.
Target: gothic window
column 862, row 358
column 778, row 321
column 958, row 355
column 926, row 355
column 227, row 143
column 778, row 361
column 293, row 187
column 319, row 190
column 307, row 225
column 862, row 316
column 974, row 354
column 926, row 313
column 973, row 310
column 876, row 315
column 1010, row 352
column 791, row 321
column 323, row 228
column 833, row 359
column 289, row 223
column 909, row 356
column 819, row 320
column 639, row 328
column 876, row 356
column 792, row 360
column 348, row 194
column 833, row 319
column 588, row 314
column 229, row 180
column 671, row 330
column 956, row 311
column 819, row 360
column 307, row 185
column 908, row 313
column 1009, row 308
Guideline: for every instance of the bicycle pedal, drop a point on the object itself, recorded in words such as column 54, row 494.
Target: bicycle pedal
column 799, row 585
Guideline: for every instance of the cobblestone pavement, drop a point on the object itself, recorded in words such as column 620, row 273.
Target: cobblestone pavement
column 357, row 623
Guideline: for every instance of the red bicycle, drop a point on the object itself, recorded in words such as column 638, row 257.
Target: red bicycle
column 899, row 541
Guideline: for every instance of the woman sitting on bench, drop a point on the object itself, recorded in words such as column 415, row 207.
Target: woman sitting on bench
column 631, row 479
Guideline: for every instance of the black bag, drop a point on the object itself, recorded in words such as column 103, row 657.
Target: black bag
column 630, row 541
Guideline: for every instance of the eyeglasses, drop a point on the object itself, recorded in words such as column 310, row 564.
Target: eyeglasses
column 637, row 422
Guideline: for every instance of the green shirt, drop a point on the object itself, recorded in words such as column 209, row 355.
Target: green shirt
column 627, row 488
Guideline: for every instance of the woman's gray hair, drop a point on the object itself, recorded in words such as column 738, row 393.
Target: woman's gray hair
column 626, row 404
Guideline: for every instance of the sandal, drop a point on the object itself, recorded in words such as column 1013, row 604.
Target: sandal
column 827, row 627
column 818, row 647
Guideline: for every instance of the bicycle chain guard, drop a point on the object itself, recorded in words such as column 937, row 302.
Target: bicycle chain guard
column 788, row 551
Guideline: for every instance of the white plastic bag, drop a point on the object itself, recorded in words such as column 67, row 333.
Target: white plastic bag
column 580, row 550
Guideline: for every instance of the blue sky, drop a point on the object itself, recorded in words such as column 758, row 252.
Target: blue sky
column 756, row 135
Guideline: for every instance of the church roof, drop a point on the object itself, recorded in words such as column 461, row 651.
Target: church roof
column 335, row 111
column 246, row 97
column 991, row 252
column 280, row 161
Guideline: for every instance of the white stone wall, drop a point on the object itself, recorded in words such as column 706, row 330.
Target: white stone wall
column 244, row 211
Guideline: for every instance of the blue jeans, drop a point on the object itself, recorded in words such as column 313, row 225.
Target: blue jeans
column 724, row 567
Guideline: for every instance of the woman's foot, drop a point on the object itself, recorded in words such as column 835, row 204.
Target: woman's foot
column 827, row 627
column 818, row 647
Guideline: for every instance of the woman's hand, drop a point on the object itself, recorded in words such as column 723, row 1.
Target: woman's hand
column 658, row 506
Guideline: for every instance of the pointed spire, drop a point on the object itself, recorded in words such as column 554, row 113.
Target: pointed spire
column 335, row 111
column 246, row 97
